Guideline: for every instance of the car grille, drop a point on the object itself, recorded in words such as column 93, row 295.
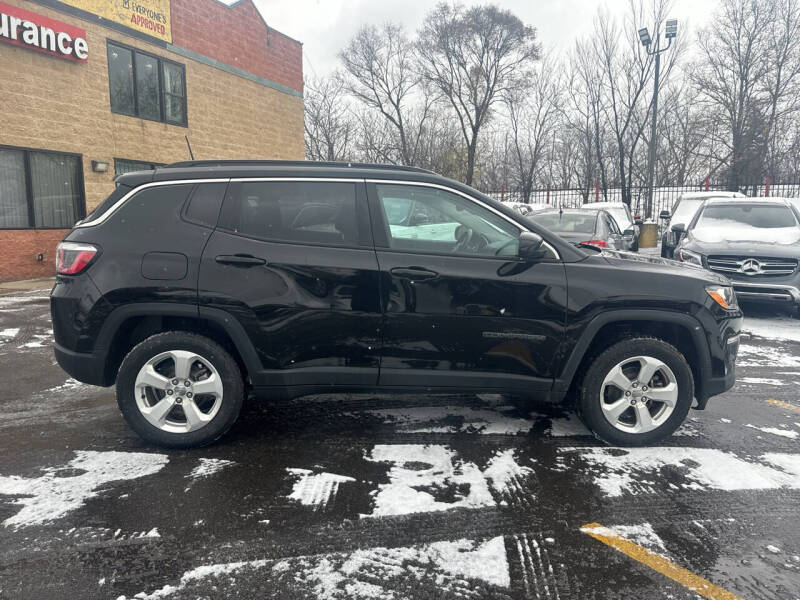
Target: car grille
column 752, row 265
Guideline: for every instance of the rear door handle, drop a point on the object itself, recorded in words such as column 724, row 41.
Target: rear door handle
column 240, row 260
column 413, row 273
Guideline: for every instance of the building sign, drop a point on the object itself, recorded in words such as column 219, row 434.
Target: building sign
column 146, row 16
column 30, row 30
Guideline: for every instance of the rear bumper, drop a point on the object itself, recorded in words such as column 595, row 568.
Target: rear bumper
column 85, row 367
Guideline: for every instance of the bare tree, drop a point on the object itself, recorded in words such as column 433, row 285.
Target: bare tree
column 735, row 62
column 329, row 126
column 381, row 71
column 472, row 56
column 533, row 111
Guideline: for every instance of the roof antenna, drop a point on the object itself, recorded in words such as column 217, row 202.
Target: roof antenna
column 191, row 154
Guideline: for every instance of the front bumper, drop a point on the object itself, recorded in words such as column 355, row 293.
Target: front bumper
column 766, row 291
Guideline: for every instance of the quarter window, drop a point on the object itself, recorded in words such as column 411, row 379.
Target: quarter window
column 430, row 220
column 40, row 190
column 299, row 212
column 146, row 86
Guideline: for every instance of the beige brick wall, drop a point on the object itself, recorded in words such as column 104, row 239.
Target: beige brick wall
column 55, row 104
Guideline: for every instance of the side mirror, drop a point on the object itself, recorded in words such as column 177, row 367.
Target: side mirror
column 664, row 214
column 629, row 233
column 531, row 246
column 637, row 221
column 679, row 228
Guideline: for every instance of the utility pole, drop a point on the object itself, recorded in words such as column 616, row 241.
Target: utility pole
column 644, row 36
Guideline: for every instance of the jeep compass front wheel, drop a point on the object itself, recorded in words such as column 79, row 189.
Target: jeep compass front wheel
column 179, row 390
column 637, row 392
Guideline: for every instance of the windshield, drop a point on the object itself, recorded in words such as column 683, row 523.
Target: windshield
column 567, row 222
column 686, row 210
column 747, row 222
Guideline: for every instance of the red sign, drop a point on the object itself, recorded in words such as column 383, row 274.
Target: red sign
column 29, row 30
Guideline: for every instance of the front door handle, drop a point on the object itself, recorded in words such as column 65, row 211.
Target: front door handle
column 240, row 260
column 413, row 273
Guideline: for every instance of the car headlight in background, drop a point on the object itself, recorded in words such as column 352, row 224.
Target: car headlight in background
column 723, row 295
column 693, row 258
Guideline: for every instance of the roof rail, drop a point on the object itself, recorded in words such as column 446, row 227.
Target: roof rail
column 290, row 163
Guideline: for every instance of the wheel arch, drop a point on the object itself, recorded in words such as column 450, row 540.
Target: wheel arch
column 128, row 325
column 679, row 329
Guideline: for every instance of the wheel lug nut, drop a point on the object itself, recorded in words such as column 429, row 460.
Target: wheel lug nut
column 627, row 393
column 174, row 382
column 634, row 384
column 188, row 394
column 169, row 392
column 187, row 383
column 644, row 388
column 633, row 401
column 178, row 400
column 644, row 399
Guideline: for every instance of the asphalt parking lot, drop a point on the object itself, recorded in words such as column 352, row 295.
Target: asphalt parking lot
column 396, row 497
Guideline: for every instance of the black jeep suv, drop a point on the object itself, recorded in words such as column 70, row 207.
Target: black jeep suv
column 194, row 282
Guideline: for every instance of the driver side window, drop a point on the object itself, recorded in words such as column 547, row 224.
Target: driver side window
column 430, row 220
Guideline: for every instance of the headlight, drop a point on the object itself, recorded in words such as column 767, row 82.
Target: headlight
column 693, row 258
column 723, row 295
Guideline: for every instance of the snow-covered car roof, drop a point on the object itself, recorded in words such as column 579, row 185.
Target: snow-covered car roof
column 701, row 195
column 599, row 205
column 772, row 201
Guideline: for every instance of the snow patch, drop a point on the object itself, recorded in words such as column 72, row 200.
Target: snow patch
column 8, row 334
column 427, row 478
column 638, row 470
column 454, row 419
column 208, row 467
column 787, row 433
column 506, row 477
column 452, row 566
column 315, row 489
column 568, row 426
column 776, row 328
column 643, row 535
column 763, row 356
column 760, row 381
column 61, row 490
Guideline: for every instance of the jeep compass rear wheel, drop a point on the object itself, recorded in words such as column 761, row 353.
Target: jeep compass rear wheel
column 179, row 390
column 637, row 392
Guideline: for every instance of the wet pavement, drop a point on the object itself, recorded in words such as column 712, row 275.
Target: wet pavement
column 396, row 497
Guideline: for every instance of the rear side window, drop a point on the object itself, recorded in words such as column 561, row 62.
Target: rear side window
column 302, row 212
column 205, row 203
column 103, row 207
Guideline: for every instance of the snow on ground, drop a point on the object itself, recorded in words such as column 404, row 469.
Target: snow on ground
column 315, row 489
column 774, row 328
column 764, row 356
column 638, row 470
column 759, row 381
column 507, row 478
column 61, row 490
column 8, row 334
column 454, row 419
column 787, row 433
column 370, row 573
column 427, row 478
column 208, row 467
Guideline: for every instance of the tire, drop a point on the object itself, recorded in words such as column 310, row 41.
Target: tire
column 600, row 398
column 147, row 394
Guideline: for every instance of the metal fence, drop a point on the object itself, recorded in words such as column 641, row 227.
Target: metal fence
column 663, row 197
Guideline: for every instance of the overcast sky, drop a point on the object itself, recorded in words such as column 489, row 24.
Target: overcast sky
column 325, row 26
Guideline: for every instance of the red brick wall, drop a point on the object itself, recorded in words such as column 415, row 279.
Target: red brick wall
column 21, row 248
column 237, row 36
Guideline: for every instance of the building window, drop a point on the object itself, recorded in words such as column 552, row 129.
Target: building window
column 40, row 189
column 122, row 166
column 146, row 86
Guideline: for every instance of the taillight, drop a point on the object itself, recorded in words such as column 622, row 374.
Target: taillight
column 73, row 258
column 598, row 243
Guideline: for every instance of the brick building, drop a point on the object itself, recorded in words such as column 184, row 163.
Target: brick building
column 93, row 88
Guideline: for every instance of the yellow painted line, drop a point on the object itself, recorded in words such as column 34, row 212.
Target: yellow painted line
column 782, row 404
column 658, row 563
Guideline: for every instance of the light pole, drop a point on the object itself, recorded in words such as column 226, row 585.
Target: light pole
column 670, row 32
